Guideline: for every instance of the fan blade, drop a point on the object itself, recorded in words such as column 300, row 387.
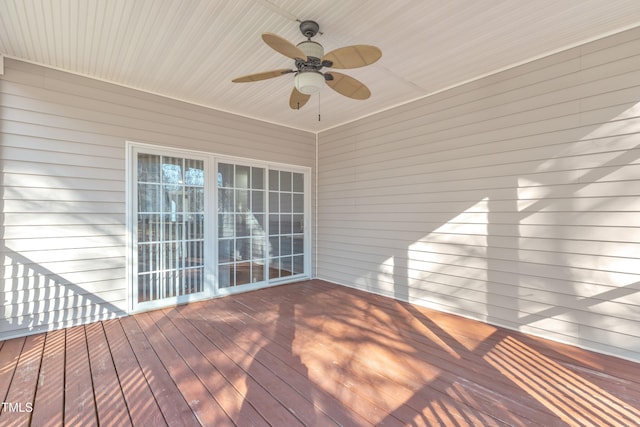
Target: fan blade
column 283, row 46
column 298, row 99
column 353, row 56
column 348, row 86
column 262, row 76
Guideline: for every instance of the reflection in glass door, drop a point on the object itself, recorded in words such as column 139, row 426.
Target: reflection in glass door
column 286, row 223
column 241, row 225
column 170, row 228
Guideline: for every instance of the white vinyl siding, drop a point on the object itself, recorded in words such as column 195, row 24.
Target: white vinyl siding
column 513, row 199
column 63, row 185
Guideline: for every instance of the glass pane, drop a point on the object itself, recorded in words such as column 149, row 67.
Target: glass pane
column 257, row 225
column 242, row 201
column 243, row 273
column 285, row 245
column 172, row 173
column 285, row 266
column 298, row 223
column 143, row 287
column 148, row 286
column 298, row 182
column 191, row 281
column 147, row 258
column 298, row 203
column 257, row 272
column 226, row 225
column 173, row 199
column 298, row 264
column 199, row 280
column 286, row 224
column 257, row 178
column 149, row 198
column 274, row 268
column 225, row 200
column 194, row 173
column 274, row 202
column 148, row 168
column 242, row 228
column 285, row 181
column 194, row 225
column 257, row 201
column 148, row 227
column 172, row 260
column 274, row 180
column 258, row 247
column 243, row 249
column 285, row 202
column 298, row 245
column 225, row 278
column 194, row 254
column 225, row 175
column 274, row 225
column 195, row 199
column 242, row 176
column 173, row 229
column 274, row 246
column 225, row 250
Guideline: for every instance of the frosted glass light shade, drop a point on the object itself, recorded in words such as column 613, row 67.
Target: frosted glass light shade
column 312, row 49
column 308, row 82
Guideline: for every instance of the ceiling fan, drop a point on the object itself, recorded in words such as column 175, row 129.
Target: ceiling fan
column 310, row 59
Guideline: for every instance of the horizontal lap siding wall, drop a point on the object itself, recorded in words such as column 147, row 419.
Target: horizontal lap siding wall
column 63, row 185
column 514, row 199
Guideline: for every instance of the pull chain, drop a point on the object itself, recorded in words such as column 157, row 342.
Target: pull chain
column 318, row 106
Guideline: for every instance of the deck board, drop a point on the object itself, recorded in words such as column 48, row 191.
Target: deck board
column 9, row 356
column 171, row 402
column 260, row 389
column 48, row 407
column 226, row 396
column 79, row 399
column 310, row 353
column 202, row 403
column 278, row 375
column 23, row 385
column 110, row 404
column 142, row 405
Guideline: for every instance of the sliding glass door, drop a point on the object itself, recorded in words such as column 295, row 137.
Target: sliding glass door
column 171, row 229
column 242, row 254
column 196, row 233
column 286, row 223
column 261, row 224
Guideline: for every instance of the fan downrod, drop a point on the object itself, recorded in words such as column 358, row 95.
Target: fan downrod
column 309, row 28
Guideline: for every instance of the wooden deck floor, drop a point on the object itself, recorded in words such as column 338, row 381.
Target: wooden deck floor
column 310, row 353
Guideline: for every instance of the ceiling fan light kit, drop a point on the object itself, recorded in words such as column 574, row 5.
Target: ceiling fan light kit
column 308, row 82
column 309, row 59
column 312, row 49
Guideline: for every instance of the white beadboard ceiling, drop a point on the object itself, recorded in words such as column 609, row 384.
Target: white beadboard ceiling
column 192, row 49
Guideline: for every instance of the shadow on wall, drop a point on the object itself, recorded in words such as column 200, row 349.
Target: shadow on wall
column 36, row 299
column 535, row 260
column 539, row 213
column 548, row 245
